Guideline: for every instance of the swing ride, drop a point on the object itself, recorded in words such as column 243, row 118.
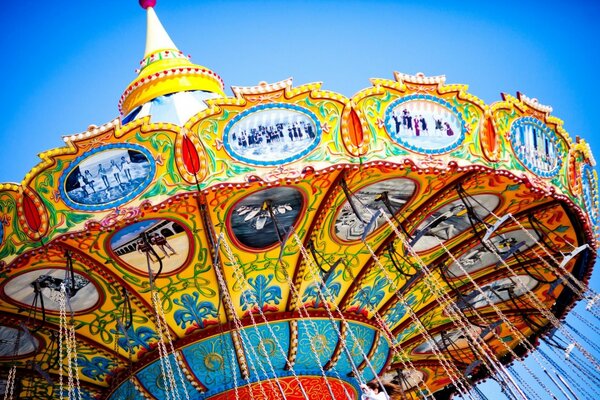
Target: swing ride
column 293, row 243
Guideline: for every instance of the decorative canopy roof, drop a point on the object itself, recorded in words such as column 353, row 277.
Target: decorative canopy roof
column 294, row 243
column 165, row 70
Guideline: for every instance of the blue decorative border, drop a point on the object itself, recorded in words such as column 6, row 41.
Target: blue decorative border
column 114, row 203
column 549, row 133
column 390, row 127
column 588, row 194
column 271, row 106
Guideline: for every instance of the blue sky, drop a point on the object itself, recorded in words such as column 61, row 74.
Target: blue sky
column 66, row 63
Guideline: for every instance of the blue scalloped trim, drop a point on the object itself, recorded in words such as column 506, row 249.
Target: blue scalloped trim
column 117, row 202
column 270, row 106
column 550, row 134
column 397, row 138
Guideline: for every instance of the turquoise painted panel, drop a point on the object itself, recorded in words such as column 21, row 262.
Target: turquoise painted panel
column 378, row 359
column 262, row 350
column 126, row 392
column 358, row 345
column 317, row 340
column 214, row 363
column 151, row 378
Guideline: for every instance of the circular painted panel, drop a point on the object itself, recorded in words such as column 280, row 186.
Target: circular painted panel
column 107, row 177
column 536, row 146
column 497, row 292
column 454, row 339
column 589, row 185
column 19, row 289
column 425, row 124
column 272, row 134
column 264, row 218
column 144, row 243
column 9, row 337
column 389, row 195
column 451, row 220
column 479, row 257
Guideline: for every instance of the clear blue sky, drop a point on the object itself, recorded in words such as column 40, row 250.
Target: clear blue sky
column 65, row 63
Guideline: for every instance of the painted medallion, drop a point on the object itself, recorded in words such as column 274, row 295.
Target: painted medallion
column 265, row 217
column 11, row 337
column 453, row 339
column 505, row 245
column 107, row 177
column 590, row 192
column 536, row 146
column 355, row 215
column 20, row 289
column 272, row 134
column 151, row 242
column 425, row 124
column 451, row 220
column 498, row 291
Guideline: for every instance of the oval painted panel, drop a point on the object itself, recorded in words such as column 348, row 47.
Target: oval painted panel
column 589, row 184
column 406, row 378
column 453, row 339
column 263, row 218
column 107, row 177
column 144, row 243
column 479, row 257
column 498, row 291
column 536, row 146
column 389, row 195
column 272, row 134
column 425, row 124
column 9, row 337
column 19, row 289
column 450, row 221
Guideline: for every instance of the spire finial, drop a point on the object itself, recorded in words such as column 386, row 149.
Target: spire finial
column 147, row 3
column 157, row 37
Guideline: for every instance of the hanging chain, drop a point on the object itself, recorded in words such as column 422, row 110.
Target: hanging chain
column 240, row 329
column 240, row 277
column 488, row 357
column 10, row 383
column 302, row 309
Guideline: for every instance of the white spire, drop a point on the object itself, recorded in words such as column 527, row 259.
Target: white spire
column 157, row 37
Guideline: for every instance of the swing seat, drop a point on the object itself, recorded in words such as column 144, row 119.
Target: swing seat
column 490, row 231
column 568, row 257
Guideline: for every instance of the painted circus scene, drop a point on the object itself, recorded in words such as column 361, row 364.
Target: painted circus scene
column 289, row 242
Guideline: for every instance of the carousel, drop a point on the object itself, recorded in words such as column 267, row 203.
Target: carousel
column 288, row 242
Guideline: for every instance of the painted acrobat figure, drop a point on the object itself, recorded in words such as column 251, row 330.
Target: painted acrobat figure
column 159, row 240
column 144, row 248
column 125, row 167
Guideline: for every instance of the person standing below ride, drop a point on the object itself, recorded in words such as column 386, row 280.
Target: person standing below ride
column 103, row 174
column 125, row 164
column 161, row 241
column 115, row 170
column 372, row 391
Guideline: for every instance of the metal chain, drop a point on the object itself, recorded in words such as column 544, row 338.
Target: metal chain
column 240, row 276
column 240, row 329
column 489, row 359
column 10, row 383
column 449, row 367
column 511, row 326
column 161, row 311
